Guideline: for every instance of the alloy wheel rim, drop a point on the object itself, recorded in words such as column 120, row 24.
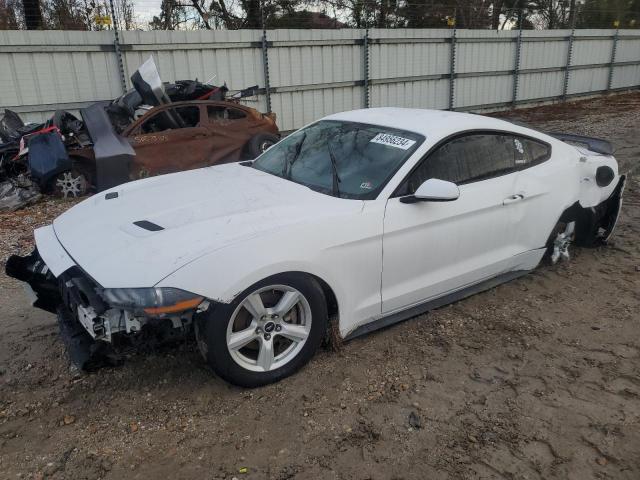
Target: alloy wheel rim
column 70, row 185
column 265, row 146
column 269, row 328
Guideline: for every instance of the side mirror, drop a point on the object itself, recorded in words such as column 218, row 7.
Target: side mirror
column 434, row 190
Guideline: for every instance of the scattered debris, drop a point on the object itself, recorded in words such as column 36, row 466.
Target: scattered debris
column 68, row 419
column 415, row 421
column 153, row 129
column 17, row 193
column 47, row 157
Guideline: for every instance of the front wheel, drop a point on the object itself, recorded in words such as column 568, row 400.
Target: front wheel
column 71, row 183
column 270, row 331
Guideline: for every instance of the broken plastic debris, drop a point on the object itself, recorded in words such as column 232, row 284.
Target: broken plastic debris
column 15, row 195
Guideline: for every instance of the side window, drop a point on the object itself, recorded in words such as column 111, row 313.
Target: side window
column 222, row 114
column 530, row 153
column 172, row 118
column 467, row 159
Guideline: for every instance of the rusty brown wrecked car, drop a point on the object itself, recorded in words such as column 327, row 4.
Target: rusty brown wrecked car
column 152, row 129
column 208, row 132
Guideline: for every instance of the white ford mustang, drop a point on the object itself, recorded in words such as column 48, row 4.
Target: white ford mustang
column 363, row 218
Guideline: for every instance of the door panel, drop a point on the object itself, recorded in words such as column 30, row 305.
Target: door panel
column 432, row 248
column 230, row 129
column 532, row 220
column 170, row 149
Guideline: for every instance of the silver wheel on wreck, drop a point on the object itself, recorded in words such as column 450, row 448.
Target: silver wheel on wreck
column 71, row 184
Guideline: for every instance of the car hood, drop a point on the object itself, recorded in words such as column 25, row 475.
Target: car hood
column 199, row 211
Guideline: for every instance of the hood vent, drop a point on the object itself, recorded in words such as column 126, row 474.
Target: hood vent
column 147, row 225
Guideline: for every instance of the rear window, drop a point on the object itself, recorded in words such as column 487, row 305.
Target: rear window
column 224, row 114
column 530, row 152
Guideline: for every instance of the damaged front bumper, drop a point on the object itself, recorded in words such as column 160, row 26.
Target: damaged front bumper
column 40, row 284
column 90, row 326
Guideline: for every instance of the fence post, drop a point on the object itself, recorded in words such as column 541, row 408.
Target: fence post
column 516, row 70
column 265, row 60
column 365, row 53
column 565, row 87
column 265, row 68
column 116, row 45
column 452, row 71
column 613, row 59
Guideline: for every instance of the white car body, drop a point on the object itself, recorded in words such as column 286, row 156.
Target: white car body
column 227, row 227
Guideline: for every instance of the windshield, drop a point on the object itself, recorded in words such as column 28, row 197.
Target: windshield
column 344, row 159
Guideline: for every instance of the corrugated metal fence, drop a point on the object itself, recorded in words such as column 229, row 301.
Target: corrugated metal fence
column 305, row 74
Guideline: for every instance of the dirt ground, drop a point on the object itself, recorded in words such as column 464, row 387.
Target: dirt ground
column 538, row 378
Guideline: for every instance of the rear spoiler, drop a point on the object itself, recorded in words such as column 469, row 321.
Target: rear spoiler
column 594, row 144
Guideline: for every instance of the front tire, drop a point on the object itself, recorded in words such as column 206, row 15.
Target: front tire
column 267, row 333
column 76, row 182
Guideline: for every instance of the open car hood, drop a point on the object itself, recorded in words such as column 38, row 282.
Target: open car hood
column 153, row 227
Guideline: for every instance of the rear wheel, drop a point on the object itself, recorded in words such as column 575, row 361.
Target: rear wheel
column 258, row 144
column 269, row 332
column 559, row 241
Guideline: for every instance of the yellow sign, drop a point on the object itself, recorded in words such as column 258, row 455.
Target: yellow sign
column 102, row 19
column 451, row 21
column 616, row 23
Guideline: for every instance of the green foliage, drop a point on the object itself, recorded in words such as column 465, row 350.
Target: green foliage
column 609, row 14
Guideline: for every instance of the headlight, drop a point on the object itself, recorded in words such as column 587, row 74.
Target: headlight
column 154, row 301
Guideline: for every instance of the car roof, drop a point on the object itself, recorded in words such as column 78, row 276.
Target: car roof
column 432, row 124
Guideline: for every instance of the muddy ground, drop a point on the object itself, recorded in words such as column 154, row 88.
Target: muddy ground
column 538, row 378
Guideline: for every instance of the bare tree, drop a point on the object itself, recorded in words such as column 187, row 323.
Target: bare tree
column 127, row 19
column 32, row 14
column 9, row 15
column 173, row 15
column 64, row 15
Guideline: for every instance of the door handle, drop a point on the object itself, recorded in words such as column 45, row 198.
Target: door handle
column 512, row 199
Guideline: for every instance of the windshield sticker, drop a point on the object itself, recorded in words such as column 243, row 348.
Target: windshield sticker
column 518, row 144
column 393, row 141
column 366, row 186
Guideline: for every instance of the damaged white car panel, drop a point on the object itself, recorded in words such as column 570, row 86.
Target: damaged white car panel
column 199, row 212
column 347, row 252
column 345, row 218
column 52, row 252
